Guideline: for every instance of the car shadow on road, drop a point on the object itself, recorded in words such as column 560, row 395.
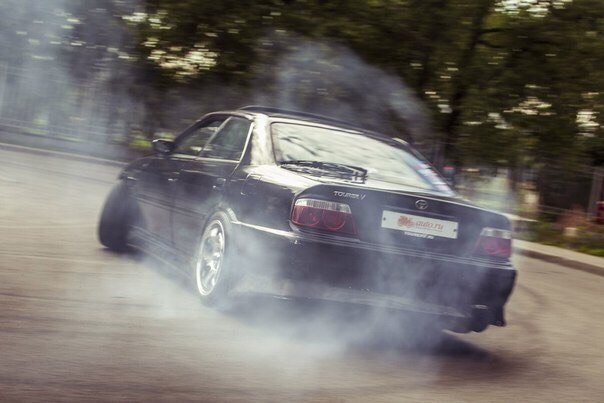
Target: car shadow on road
column 356, row 328
column 402, row 340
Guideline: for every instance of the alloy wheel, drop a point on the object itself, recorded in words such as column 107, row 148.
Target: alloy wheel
column 210, row 258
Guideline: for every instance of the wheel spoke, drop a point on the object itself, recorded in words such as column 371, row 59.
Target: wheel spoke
column 216, row 256
column 206, row 255
column 208, row 278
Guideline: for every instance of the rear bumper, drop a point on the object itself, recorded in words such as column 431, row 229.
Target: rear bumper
column 347, row 270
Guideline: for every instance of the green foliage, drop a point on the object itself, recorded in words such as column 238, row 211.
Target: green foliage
column 505, row 85
column 510, row 84
column 588, row 239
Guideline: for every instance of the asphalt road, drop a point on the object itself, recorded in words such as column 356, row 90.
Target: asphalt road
column 80, row 323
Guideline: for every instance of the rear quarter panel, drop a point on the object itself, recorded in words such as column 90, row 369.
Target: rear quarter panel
column 263, row 195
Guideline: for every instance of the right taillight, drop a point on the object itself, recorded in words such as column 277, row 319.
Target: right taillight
column 494, row 242
column 323, row 215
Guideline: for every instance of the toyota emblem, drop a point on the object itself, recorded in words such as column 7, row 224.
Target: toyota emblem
column 421, row 204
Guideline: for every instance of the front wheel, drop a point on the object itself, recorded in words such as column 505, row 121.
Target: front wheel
column 116, row 219
column 213, row 264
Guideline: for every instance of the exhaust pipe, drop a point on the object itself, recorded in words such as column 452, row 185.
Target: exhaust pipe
column 481, row 318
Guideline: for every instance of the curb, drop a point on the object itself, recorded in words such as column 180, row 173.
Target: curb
column 100, row 150
column 62, row 154
column 573, row 264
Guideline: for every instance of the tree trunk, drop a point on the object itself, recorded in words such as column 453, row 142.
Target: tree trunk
column 462, row 84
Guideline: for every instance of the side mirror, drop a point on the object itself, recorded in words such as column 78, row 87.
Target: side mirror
column 163, row 146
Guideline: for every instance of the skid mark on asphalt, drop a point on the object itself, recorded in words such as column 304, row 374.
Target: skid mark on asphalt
column 49, row 226
column 80, row 301
column 64, row 259
column 7, row 179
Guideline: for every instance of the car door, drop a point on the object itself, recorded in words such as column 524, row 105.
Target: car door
column 152, row 190
column 159, row 173
column 202, row 180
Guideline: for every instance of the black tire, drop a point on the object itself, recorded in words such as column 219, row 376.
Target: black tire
column 216, row 292
column 116, row 219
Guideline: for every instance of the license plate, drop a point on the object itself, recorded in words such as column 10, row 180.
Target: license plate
column 418, row 226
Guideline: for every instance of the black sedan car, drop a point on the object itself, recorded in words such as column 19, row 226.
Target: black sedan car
column 296, row 205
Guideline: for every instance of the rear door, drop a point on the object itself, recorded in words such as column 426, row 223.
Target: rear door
column 152, row 189
column 203, row 179
column 159, row 174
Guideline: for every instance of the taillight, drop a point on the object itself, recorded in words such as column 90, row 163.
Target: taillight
column 324, row 215
column 494, row 242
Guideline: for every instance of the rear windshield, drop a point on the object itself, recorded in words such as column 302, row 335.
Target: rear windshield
column 383, row 159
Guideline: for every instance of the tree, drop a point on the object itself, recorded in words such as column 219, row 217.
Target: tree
column 502, row 83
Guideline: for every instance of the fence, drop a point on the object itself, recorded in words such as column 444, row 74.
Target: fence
column 47, row 102
column 575, row 192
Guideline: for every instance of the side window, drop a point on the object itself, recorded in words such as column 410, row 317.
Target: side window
column 229, row 141
column 193, row 142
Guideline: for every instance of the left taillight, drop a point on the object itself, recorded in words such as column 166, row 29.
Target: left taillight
column 494, row 242
column 323, row 215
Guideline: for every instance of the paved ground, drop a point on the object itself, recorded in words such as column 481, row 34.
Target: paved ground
column 79, row 323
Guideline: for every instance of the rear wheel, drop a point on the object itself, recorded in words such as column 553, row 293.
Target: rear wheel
column 213, row 264
column 116, row 219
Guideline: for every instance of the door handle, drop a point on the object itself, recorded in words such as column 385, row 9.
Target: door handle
column 218, row 183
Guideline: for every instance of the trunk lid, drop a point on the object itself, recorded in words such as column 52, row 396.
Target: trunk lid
column 411, row 219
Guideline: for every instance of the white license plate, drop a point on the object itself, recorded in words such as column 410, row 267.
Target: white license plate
column 418, row 226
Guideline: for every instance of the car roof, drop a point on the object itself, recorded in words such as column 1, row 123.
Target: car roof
column 309, row 117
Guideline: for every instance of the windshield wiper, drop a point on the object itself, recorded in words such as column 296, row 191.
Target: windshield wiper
column 329, row 167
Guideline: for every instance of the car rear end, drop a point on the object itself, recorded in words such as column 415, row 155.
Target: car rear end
column 447, row 253
column 377, row 226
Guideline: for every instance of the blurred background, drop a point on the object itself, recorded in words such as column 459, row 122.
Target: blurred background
column 505, row 97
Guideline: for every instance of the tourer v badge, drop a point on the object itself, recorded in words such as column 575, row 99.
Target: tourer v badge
column 348, row 195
